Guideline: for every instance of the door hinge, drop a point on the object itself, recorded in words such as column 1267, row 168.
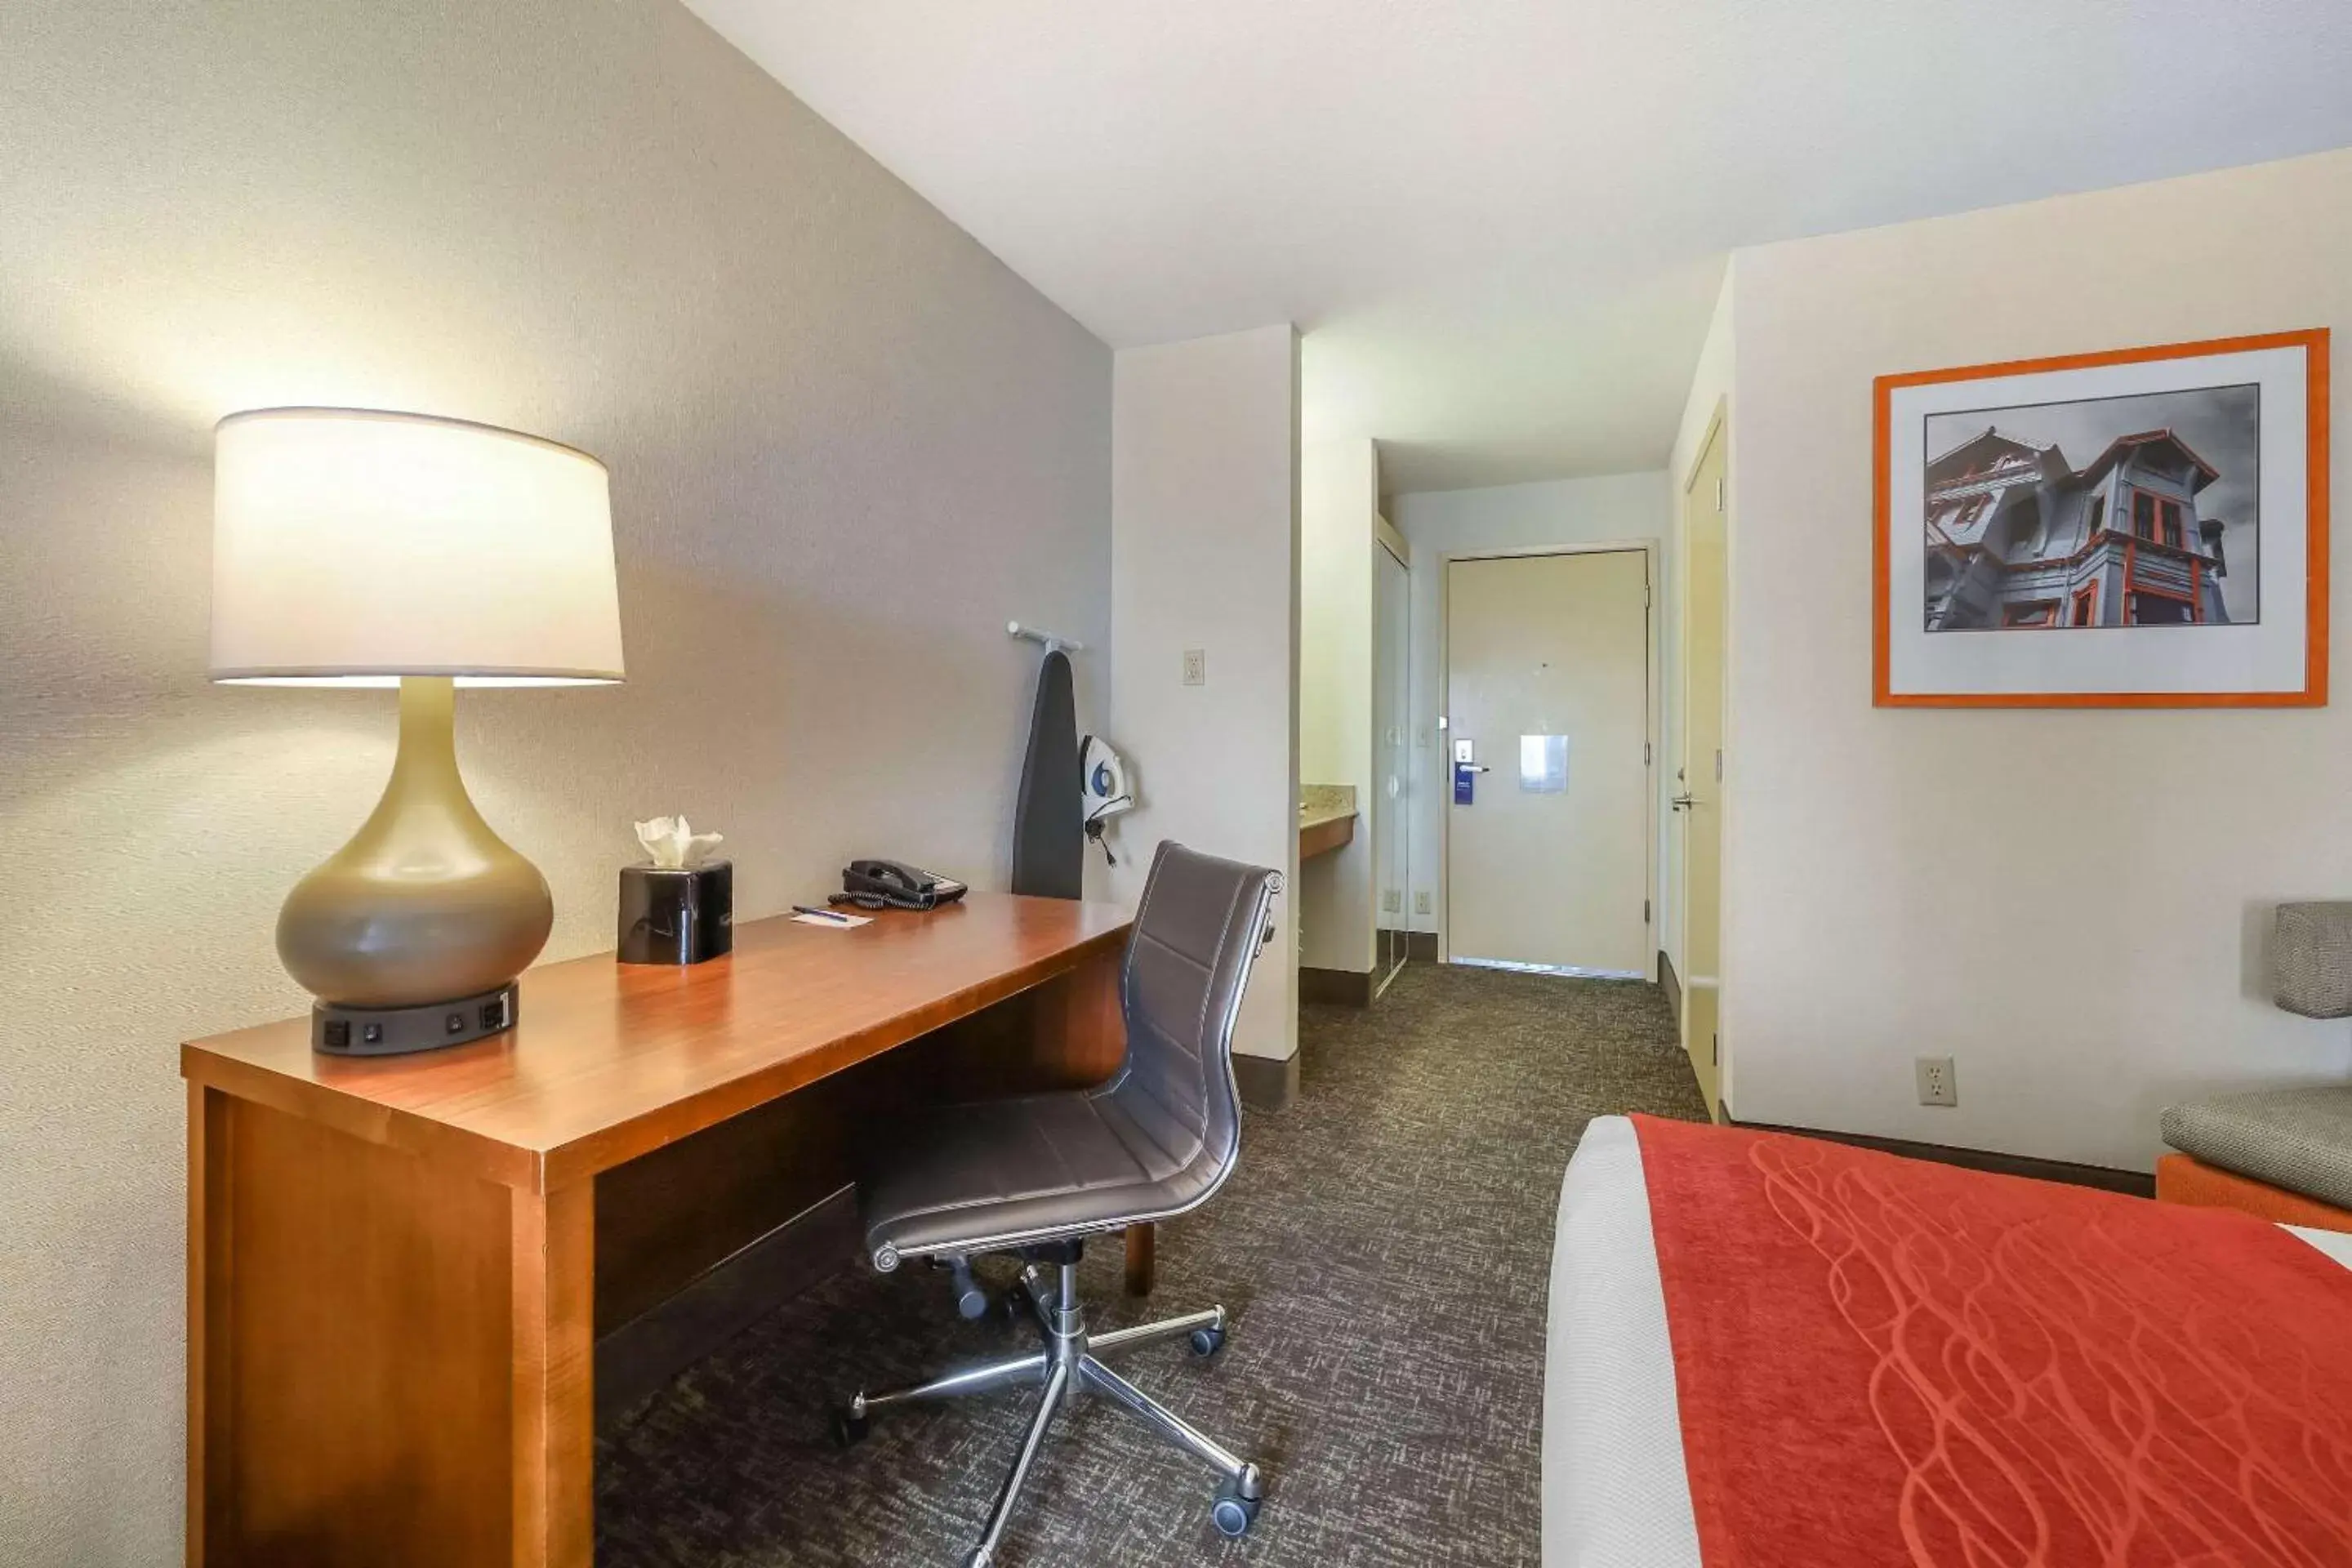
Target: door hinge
column 1718, row 494
column 1645, row 912
column 1645, row 753
column 1718, row 764
column 1715, row 1050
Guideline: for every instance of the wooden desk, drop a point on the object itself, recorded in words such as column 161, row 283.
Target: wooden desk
column 399, row 1269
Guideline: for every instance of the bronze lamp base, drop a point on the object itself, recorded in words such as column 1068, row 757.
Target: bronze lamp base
column 425, row 909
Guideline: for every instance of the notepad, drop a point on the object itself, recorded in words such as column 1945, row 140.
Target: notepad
column 839, row 922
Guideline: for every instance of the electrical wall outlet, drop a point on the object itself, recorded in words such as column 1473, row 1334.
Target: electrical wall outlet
column 1936, row 1084
column 1196, row 666
column 1421, row 901
column 1390, row 901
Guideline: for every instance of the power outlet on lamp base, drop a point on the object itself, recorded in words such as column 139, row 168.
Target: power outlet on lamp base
column 1936, row 1084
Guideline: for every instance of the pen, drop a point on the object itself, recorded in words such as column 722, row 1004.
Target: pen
column 820, row 914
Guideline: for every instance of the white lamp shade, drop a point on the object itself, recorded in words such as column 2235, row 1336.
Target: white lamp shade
column 356, row 547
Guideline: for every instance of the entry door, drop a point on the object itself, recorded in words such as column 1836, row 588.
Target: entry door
column 1698, row 800
column 1547, row 661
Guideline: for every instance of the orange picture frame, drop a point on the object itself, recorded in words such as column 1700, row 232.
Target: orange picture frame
column 2314, row 691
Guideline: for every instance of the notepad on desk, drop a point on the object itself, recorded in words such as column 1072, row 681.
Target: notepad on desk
column 809, row 917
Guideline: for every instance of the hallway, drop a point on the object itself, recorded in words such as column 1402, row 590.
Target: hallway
column 1385, row 1248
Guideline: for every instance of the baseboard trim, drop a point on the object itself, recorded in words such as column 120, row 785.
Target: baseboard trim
column 1671, row 983
column 1265, row 1083
column 636, row 1359
column 2132, row 1182
column 1420, row 946
column 1340, row 987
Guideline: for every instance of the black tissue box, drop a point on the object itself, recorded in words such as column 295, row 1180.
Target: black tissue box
column 681, row 916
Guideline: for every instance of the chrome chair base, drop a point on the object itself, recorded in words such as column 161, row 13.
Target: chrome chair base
column 1070, row 1361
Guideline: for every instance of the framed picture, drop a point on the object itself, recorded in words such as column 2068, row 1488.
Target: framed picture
column 2156, row 518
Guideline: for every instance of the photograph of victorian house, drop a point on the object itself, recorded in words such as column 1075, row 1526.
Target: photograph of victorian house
column 2158, row 529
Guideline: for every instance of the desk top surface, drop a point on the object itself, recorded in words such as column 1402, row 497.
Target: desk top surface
column 609, row 1059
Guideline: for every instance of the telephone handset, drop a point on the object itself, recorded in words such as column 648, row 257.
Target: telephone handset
column 894, row 884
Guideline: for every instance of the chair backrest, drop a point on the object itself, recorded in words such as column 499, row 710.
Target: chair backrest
column 1197, row 935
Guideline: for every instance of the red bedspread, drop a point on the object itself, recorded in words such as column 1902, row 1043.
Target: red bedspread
column 1882, row 1361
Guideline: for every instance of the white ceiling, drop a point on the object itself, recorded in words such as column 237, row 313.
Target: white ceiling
column 1501, row 222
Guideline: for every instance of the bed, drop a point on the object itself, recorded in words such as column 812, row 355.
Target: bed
column 1885, row 1361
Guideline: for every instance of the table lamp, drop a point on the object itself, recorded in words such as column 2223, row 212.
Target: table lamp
column 358, row 548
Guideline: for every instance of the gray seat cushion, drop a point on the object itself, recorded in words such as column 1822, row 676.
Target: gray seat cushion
column 2311, row 960
column 2299, row 1139
column 1152, row 1142
column 1010, row 1166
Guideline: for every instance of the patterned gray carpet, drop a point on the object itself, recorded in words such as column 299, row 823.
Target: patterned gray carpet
column 1385, row 1247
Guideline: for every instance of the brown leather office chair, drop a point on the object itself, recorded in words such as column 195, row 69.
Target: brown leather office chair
column 1039, row 1174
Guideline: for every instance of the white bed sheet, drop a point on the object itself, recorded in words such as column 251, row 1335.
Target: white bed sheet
column 1614, row 1490
column 1615, row 1494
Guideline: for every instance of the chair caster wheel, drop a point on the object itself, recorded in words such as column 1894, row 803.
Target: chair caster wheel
column 1232, row 1513
column 1208, row 1342
column 849, row 1430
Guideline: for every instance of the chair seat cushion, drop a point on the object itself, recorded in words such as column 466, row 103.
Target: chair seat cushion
column 969, row 1174
column 2298, row 1139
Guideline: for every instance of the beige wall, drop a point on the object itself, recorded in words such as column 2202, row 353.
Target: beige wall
column 1338, row 527
column 1204, row 523
column 846, row 446
column 1710, row 382
column 2067, row 903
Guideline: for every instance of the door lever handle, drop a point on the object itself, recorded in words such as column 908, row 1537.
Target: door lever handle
column 1681, row 803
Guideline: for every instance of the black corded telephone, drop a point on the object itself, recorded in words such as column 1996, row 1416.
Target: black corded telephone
column 894, row 884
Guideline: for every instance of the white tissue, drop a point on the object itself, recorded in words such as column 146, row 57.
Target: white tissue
column 674, row 845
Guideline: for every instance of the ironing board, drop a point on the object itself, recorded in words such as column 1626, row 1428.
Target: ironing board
column 1048, row 826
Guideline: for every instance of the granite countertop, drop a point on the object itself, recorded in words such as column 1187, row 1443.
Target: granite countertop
column 1320, row 804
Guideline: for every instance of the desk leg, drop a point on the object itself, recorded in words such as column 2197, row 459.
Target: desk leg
column 208, row 1278
column 388, row 1360
column 1140, row 1263
column 553, row 1241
